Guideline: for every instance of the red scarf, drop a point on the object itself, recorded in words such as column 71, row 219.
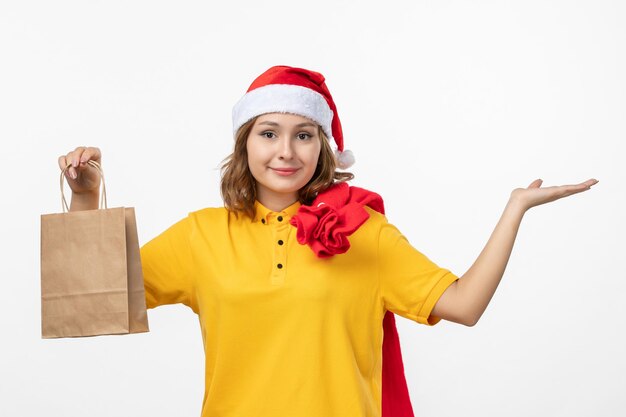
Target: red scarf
column 325, row 226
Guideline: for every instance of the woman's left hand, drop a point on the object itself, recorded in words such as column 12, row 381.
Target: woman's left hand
column 465, row 300
column 535, row 195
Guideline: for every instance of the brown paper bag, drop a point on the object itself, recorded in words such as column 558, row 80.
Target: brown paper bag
column 91, row 279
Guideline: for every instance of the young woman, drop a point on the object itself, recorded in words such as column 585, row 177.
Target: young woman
column 295, row 280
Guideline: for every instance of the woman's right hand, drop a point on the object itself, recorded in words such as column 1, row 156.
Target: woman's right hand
column 82, row 178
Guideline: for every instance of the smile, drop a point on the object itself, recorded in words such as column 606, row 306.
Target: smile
column 284, row 172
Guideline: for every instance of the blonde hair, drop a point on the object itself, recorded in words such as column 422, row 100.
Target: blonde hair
column 238, row 186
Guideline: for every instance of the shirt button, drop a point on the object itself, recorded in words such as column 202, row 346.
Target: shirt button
column 279, row 218
column 280, row 242
column 280, row 266
column 263, row 221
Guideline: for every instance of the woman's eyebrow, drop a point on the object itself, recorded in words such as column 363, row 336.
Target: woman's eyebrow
column 267, row 122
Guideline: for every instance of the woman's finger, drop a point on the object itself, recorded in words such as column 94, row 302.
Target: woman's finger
column 75, row 168
column 62, row 162
column 567, row 190
column 69, row 160
column 73, row 156
column 583, row 186
column 89, row 154
column 590, row 182
column 78, row 154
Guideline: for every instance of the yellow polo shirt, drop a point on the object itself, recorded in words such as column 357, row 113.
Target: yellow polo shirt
column 286, row 333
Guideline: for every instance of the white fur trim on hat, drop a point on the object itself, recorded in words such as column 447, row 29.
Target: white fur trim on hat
column 284, row 98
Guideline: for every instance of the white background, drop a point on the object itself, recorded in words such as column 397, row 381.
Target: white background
column 447, row 105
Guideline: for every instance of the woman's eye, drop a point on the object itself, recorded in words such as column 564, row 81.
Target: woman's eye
column 268, row 135
column 303, row 136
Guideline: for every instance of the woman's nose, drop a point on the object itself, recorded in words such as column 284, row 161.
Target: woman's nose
column 286, row 148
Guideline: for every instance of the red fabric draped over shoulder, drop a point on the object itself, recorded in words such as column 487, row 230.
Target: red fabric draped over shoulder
column 325, row 225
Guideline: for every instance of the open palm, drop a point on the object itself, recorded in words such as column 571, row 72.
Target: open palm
column 535, row 195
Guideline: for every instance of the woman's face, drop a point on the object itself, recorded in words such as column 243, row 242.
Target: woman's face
column 283, row 150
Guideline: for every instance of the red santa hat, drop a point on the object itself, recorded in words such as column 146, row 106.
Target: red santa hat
column 283, row 89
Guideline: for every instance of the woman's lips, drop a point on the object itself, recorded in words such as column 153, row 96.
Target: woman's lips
column 284, row 172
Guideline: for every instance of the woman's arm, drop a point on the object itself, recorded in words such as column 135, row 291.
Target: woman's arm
column 466, row 299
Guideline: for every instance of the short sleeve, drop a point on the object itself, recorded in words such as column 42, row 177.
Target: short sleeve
column 410, row 283
column 167, row 264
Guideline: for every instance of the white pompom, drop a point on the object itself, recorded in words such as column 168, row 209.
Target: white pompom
column 344, row 159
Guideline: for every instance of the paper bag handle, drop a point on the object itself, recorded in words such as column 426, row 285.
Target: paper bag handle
column 103, row 196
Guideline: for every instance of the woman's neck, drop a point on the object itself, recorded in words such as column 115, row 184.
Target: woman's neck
column 277, row 202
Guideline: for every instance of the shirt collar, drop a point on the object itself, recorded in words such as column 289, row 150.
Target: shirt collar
column 263, row 214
